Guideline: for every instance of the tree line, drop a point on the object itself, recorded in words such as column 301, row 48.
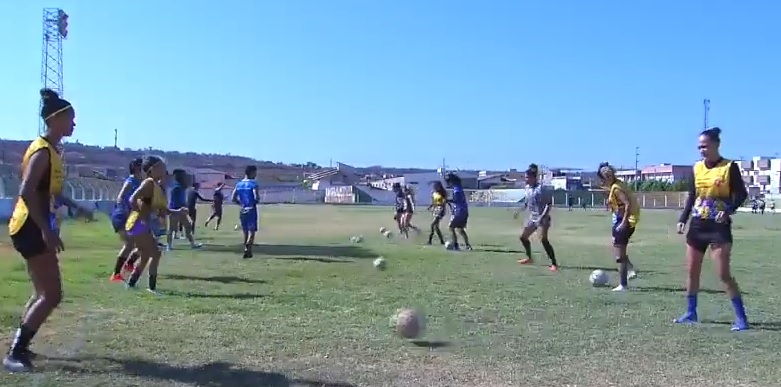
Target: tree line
column 659, row 185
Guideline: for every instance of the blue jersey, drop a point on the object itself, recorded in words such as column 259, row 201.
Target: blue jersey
column 124, row 201
column 460, row 206
column 245, row 193
column 177, row 198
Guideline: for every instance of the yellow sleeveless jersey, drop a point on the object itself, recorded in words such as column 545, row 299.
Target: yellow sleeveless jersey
column 712, row 189
column 56, row 180
column 437, row 199
column 618, row 208
column 159, row 203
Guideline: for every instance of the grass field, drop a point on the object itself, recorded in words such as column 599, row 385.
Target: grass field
column 310, row 309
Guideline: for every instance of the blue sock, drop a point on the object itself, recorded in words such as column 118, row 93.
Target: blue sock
column 692, row 303
column 740, row 310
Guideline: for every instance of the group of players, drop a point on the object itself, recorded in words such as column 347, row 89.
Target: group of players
column 716, row 192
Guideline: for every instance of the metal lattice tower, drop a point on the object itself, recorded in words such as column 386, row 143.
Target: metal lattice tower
column 55, row 30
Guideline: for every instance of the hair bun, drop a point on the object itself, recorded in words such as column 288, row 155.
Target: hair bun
column 533, row 166
column 49, row 94
column 715, row 130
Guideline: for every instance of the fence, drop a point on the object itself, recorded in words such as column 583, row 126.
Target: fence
column 512, row 197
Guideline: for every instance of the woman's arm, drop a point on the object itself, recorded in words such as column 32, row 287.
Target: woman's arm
column 143, row 191
column 737, row 188
column 123, row 191
column 33, row 174
column 687, row 208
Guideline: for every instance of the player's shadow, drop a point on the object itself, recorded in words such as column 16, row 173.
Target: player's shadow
column 316, row 259
column 500, row 251
column 603, row 268
column 774, row 326
column 217, row 296
column 216, row 374
column 674, row 289
column 217, row 279
column 430, row 344
column 298, row 250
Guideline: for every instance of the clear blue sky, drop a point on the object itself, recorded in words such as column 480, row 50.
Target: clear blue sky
column 485, row 84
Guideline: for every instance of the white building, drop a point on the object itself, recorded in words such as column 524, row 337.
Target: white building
column 762, row 175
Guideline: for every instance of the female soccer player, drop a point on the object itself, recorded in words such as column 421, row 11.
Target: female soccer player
column 126, row 256
column 401, row 205
column 715, row 193
column 246, row 195
column 29, row 227
column 538, row 203
column 177, row 218
column 459, row 211
column 626, row 214
column 192, row 205
column 147, row 202
column 438, row 208
column 217, row 200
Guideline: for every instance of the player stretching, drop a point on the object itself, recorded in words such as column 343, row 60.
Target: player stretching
column 626, row 214
column 217, row 199
column 716, row 192
column 247, row 196
column 538, row 203
column 459, row 211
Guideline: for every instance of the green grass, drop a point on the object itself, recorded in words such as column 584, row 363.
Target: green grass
column 311, row 310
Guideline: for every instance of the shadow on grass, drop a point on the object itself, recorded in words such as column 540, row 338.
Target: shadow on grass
column 604, row 268
column 298, row 250
column 430, row 344
column 235, row 296
column 500, row 251
column 218, row 279
column 217, row 374
column 316, row 259
column 774, row 326
column 675, row 289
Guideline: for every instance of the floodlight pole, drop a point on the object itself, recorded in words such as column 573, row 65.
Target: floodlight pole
column 637, row 170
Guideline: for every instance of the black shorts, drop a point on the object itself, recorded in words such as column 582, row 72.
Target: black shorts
column 29, row 240
column 621, row 237
column 702, row 234
column 459, row 221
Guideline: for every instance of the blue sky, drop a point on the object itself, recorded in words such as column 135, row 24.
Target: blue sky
column 484, row 84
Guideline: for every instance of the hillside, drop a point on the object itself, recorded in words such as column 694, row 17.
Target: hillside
column 99, row 158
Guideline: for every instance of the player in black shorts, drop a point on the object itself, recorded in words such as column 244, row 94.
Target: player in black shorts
column 43, row 176
column 400, row 206
column 716, row 192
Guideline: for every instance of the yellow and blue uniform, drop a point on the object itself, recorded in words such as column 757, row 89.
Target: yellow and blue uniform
column 621, row 237
column 140, row 221
column 245, row 195
column 715, row 188
column 27, row 236
column 439, row 202
column 121, row 209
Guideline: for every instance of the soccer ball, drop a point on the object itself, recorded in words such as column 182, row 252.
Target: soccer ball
column 356, row 239
column 382, row 230
column 598, row 278
column 408, row 323
column 380, row 263
column 388, row 234
column 449, row 245
column 236, row 227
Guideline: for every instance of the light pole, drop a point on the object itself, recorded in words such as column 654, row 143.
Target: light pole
column 705, row 112
column 637, row 170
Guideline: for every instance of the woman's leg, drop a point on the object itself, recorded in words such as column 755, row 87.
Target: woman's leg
column 721, row 254
column 526, row 233
column 694, row 254
column 544, row 228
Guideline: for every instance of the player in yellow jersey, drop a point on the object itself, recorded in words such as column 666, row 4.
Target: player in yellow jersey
column 30, row 228
column 438, row 207
column 147, row 202
column 626, row 213
column 715, row 194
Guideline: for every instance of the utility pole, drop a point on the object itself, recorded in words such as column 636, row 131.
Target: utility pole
column 637, row 170
column 116, row 135
column 705, row 113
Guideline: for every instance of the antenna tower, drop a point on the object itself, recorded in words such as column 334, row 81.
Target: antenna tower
column 55, row 30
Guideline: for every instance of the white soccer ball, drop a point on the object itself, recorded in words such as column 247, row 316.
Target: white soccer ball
column 236, row 228
column 388, row 234
column 380, row 263
column 599, row 278
column 449, row 245
column 382, row 230
column 408, row 323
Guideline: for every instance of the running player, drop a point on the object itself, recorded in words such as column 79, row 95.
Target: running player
column 246, row 195
column 176, row 219
column 193, row 195
column 147, row 202
column 716, row 192
column 401, row 205
column 409, row 210
column 459, row 211
column 626, row 214
column 438, row 208
column 43, row 176
column 539, row 205
column 119, row 218
column 217, row 200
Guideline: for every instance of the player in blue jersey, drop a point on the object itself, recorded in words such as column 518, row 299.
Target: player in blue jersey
column 126, row 257
column 459, row 210
column 177, row 199
column 247, row 196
